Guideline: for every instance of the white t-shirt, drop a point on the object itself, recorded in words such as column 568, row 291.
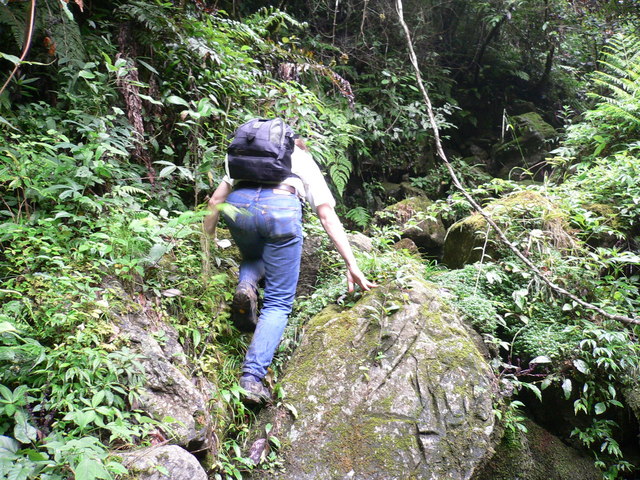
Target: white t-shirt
column 309, row 183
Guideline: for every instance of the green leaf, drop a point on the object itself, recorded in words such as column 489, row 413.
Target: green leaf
column 147, row 66
column 581, row 365
column 292, row 409
column 23, row 431
column 12, row 58
column 197, row 337
column 150, row 99
column 163, row 470
column 175, row 100
column 97, row 398
column 90, row 469
column 8, row 446
column 534, row 389
column 600, row 408
column 540, row 359
column 6, row 327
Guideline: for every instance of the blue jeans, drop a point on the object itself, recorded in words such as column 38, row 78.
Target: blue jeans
column 268, row 232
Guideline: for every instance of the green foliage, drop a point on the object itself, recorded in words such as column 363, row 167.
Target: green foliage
column 612, row 125
column 469, row 285
column 83, row 208
column 359, row 216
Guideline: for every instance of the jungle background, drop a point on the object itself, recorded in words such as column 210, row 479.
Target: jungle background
column 114, row 118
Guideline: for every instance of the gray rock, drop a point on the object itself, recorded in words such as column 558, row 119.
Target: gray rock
column 394, row 388
column 162, row 463
column 169, row 390
column 309, row 265
column 537, row 455
column 412, row 221
column 471, row 239
column 360, row 242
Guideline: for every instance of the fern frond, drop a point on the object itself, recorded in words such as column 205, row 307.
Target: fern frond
column 16, row 16
column 125, row 191
column 619, row 78
column 269, row 20
column 65, row 34
column 152, row 15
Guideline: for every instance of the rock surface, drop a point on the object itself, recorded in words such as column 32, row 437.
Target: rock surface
column 169, row 391
column 467, row 242
column 538, row 455
column 527, row 151
column 162, row 463
column 410, row 217
column 395, row 387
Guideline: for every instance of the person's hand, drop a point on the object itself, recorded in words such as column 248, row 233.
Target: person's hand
column 356, row 277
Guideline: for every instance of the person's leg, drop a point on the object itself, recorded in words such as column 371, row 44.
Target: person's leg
column 281, row 256
column 282, row 266
column 244, row 230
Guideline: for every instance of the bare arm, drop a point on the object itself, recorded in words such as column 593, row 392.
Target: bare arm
column 333, row 227
column 219, row 196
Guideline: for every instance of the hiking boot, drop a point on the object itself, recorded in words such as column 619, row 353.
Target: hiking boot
column 255, row 392
column 244, row 308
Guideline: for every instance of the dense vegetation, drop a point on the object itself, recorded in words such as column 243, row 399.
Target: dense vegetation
column 113, row 130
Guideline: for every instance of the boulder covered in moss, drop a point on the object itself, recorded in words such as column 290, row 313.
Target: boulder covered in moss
column 411, row 219
column 522, row 214
column 395, row 387
column 531, row 141
column 537, row 455
column 632, row 399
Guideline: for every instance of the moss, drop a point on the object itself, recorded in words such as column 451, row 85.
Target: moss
column 360, row 444
column 366, row 433
column 466, row 240
column 533, row 123
column 537, row 455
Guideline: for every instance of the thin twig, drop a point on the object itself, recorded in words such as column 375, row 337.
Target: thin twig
column 476, row 206
column 27, row 45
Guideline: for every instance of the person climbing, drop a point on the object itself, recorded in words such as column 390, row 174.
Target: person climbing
column 266, row 225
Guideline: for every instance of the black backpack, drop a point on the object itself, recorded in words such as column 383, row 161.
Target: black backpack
column 261, row 151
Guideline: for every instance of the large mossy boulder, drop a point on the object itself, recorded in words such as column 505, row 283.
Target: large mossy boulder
column 537, row 455
column 396, row 387
column 412, row 220
column 526, row 211
column 533, row 139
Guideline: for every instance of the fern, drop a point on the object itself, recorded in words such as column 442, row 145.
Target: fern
column 360, row 216
column 151, row 15
column 270, row 20
column 64, row 32
column 16, row 17
column 618, row 109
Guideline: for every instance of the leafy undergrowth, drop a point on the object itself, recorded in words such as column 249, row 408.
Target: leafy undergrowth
column 583, row 237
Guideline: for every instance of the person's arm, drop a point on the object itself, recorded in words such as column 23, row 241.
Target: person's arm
column 333, row 227
column 219, row 196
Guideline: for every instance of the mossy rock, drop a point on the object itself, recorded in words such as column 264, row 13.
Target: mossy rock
column 528, row 149
column 632, row 398
column 537, row 455
column 469, row 239
column 412, row 221
column 393, row 388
